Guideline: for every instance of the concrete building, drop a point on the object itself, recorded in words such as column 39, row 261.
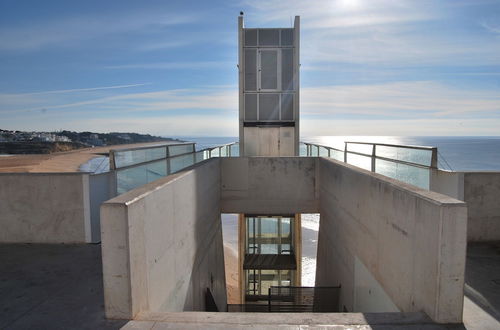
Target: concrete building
column 391, row 247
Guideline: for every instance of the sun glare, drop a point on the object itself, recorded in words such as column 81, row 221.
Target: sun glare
column 349, row 4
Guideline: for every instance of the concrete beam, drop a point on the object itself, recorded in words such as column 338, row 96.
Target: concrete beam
column 269, row 185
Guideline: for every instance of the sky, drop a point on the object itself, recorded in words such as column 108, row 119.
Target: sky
column 368, row 67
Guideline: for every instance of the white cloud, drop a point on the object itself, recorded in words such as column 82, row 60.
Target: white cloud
column 395, row 108
column 414, row 127
column 400, row 99
column 380, row 32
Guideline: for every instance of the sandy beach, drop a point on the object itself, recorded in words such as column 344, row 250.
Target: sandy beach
column 69, row 161
column 231, row 267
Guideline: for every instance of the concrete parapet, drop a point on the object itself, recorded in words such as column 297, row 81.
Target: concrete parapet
column 482, row 195
column 481, row 192
column 162, row 245
column 411, row 241
column 45, row 208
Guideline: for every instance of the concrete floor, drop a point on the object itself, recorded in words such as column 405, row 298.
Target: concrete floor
column 45, row 286
column 60, row 287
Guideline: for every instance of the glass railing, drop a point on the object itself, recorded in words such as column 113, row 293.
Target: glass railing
column 135, row 167
column 410, row 164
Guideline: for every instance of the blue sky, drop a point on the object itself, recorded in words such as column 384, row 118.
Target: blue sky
column 368, row 67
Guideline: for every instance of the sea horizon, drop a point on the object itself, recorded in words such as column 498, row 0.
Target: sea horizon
column 456, row 153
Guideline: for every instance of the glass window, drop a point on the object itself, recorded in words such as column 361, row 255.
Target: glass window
column 269, row 235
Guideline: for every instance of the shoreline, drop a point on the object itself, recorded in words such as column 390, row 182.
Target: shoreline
column 66, row 161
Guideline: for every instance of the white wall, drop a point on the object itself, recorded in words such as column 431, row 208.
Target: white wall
column 44, row 208
column 162, row 245
column 412, row 241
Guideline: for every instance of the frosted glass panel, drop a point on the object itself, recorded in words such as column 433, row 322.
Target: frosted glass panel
column 269, row 106
column 250, row 69
column 286, row 106
column 269, row 69
column 250, row 37
column 287, row 37
column 287, row 69
column 410, row 174
column 250, row 106
column 269, row 37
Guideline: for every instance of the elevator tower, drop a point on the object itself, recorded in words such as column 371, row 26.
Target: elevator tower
column 269, row 244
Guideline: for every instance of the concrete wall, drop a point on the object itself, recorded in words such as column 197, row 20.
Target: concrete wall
column 162, row 245
column 482, row 195
column 448, row 183
column 101, row 188
column 481, row 192
column 412, row 241
column 44, row 208
column 269, row 185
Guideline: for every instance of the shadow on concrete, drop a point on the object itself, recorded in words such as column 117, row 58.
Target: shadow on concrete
column 52, row 286
column 482, row 276
column 407, row 321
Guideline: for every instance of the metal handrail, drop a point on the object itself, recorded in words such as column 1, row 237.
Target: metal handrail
column 393, row 145
column 373, row 154
column 172, row 157
column 151, row 147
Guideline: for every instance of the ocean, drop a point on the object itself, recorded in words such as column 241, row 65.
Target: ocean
column 457, row 153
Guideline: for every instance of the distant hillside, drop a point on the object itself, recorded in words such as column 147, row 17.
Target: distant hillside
column 29, row 147
column 22, row 142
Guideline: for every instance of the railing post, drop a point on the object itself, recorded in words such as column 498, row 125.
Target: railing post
column 345, row 152
column 329, row 150
column 373, row 157
column 112, row 161
column 167, row 154
column 434, row 158
column 194, row 153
